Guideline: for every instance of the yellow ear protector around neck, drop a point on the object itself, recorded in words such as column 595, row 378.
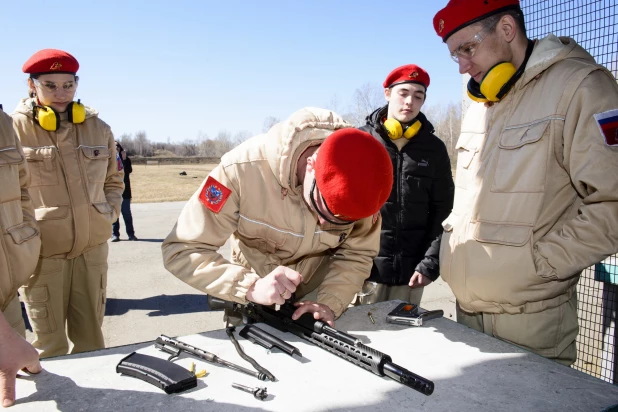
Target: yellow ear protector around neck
column 498, row 80
column 396, row 130
column 49, row 119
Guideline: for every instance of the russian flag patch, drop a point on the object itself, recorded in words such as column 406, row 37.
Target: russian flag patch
column 214, row 194
column 608, row 124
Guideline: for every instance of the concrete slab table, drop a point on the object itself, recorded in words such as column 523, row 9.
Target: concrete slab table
column 471, row 372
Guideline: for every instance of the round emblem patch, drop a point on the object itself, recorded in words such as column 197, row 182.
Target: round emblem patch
column 214, row 195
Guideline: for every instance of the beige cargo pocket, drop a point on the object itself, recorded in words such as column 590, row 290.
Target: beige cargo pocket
column 10, row 159
column 43, row 165
column 522, row 159
column 95, row 160
column 39, row 309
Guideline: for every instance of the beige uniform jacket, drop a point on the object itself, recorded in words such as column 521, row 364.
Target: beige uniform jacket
column 20, row 247
column 269, row 222
column 76, row 187
column 536, row 197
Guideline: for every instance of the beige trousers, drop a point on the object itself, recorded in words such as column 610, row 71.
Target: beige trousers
column 66, row 299
column 377, row 292
column 12, row 314
column 550, row 333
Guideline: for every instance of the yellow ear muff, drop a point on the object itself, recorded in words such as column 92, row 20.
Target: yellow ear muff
column 393, row 128
column 495, row 79
column 77, row 112
column 413, row 129
column 47, row 118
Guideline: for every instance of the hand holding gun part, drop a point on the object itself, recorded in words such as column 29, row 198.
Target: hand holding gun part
column 258, row 393
column 265, row 339
column 321, row 334
column 175, row 347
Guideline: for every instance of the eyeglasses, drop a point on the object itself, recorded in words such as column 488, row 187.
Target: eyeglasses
column 319, row 212
column 52, row 87
column 467, row 49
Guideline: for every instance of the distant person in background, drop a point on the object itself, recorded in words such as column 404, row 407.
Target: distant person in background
column 421, row 196
column 76, row 190
column 124, row 163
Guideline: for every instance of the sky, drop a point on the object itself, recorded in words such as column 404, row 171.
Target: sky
column 183, row 69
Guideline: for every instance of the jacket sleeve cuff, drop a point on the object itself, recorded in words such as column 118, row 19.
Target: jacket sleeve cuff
column 425, row 271
column 242, row 285
column 333, row 302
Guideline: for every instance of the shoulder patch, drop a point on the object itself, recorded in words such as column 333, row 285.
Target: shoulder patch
column 214, row 194
column 608, row 124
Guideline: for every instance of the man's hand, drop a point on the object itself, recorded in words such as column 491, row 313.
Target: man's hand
column 275, row 287
column 320, row 312
column 15, row 354
column 419, row 280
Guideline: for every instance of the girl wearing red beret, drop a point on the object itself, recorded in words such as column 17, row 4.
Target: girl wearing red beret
column 76, row 189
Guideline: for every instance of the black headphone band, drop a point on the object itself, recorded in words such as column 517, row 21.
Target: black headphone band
column 507, row 86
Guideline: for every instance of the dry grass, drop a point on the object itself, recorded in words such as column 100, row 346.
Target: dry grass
column 164, row 184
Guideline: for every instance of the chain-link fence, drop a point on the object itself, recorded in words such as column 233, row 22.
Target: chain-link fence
column 593, row 24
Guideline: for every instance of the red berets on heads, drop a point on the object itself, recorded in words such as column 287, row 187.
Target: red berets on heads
column 51, row 61
column 461, row 13
column 354, row 174
column 410, row 73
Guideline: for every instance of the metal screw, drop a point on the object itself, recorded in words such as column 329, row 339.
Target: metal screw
column 258, row 393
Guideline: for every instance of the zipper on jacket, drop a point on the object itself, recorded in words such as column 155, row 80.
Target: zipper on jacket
column 400, row 184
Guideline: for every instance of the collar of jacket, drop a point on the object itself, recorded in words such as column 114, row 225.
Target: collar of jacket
column 25, row 107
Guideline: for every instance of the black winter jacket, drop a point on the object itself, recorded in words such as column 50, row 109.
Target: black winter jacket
column 421, row 198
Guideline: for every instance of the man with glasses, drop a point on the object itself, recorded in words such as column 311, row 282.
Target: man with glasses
column 76, row 189
column 536, row 198
column 422, row 194
column 300, row 207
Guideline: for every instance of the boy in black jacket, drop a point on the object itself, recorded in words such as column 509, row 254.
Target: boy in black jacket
column 422, row 192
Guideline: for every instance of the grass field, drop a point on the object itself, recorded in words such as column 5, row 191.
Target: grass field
column 164, row 183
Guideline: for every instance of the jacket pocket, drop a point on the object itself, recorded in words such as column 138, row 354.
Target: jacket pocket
column 10, row 159
column 265, row 237
column 522, row 159
column 101, row 219
column 500, row 265
column 43, row 165
column 95, row 160
column 22, row 233
column 52, row 212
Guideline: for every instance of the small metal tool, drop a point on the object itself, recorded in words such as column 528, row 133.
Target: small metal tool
column 258, row 393
column 371, row 317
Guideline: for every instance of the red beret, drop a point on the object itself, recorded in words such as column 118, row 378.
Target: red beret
column 51, row 61
column 410, row 73
column 354, row 174
column 461, row 13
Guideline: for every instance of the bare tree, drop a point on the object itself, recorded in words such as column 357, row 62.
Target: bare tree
column 143, row 147
column 269, row 122
column 367, row 98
